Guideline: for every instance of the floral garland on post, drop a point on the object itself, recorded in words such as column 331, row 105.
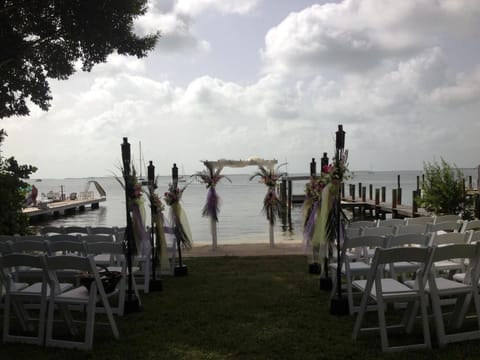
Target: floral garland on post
column 141, row 244
column 178, row 219
column 211, row 177
column 160, row 254
column 321, row 199
column 272, row 206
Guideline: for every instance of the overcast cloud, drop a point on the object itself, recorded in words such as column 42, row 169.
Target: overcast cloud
column 236, row 79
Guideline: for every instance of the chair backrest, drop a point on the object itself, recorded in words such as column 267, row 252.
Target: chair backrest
column 5, row 247
column 352, row 232
column 102, row 230
column 379, row 231
column 421, row 240
column 66, row 247
column 50, row 230
column 30, row 238
column 449, row 238
column 98, row 238
column 362, row 244
column 470, row 225
column 457, row 252
column 65, row 237
column 420, row 220
column 10, row 262
column 394, row 255
column 80, row 230
column 411, row 229
column 444, row 226
column 362, row 223
column 390, row 222
column 473, row 236
column 443, row 218
column 28, row 246
column 59, row 265
column 5, row 238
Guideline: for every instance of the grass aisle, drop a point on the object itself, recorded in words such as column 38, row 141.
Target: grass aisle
column 236, row 308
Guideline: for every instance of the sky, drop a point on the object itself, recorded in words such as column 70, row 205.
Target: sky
column 273, row 79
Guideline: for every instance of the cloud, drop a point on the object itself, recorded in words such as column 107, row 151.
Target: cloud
column 352, row 36
column 197, row 7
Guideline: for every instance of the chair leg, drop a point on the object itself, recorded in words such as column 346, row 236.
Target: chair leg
column 439, row 323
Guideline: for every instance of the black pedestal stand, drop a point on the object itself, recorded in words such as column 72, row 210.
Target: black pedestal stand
column 154, row 283
column 132, row 303
column 326, row 282
column 314, row 268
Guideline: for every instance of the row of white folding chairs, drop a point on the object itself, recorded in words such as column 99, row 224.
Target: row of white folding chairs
column 432, row 223
column 358, row 253
column 50, row 295
column 378, row 289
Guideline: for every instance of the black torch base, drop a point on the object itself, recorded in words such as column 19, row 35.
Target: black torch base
column 155, row 285
column 132, row 304
column 181, row 270
column 314, row 268
column 339, row 306
column 326, row 283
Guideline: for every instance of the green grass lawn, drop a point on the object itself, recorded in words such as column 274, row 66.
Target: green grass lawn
column 237, row 308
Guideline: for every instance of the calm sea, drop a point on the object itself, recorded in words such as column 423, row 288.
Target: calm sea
column 240, row 219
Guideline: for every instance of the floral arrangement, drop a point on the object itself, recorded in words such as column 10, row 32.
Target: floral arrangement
column 136, row 208
column 211, row 177
column 178, row 218
column 321, row 200
column 272, row 206
column 158, row 221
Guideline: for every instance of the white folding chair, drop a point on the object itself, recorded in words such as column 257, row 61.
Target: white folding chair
column 360, row 267
column 443, row 218
column 377, row 231
column 79, row 295
column 17, row 297
column 362, row 223
column 75, row 230
column 444, row 226
column 422, row 220
column 118, row 263
column 51, row 230
column 391, row 222
column 410, row 229
column 405, row 240
column 447, row 265
column 473, row 225
column 461, row 292
column 382, row 290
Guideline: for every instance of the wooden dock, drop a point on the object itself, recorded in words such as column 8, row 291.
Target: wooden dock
column 63, row 207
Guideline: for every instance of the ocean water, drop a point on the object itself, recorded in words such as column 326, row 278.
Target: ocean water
column 240, row 219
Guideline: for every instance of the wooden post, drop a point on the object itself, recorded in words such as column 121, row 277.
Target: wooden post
column 283, row 200
column 399, row 196
column 370, row 190
column 313, row 168
column 360, row 190
column 470, row 182
column 377, row 202
column 364, row 193
column 414, row 203
column 418, row 182
column 384, row 194
column 289, row 209
column 343, row 190
column 394, row 203
column 271, row 235
column 353, row 192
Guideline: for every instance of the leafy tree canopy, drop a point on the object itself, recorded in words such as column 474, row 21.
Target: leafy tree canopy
column 43, row 39
column 12, row 194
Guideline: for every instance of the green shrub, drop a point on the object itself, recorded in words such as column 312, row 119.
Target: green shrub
column 443, row 189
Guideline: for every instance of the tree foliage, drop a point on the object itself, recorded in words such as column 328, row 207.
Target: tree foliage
column 443, row 189
column 12, row 194
column 43, row 39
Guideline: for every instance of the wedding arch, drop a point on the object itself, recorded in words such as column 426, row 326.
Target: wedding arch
column 212, row 175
